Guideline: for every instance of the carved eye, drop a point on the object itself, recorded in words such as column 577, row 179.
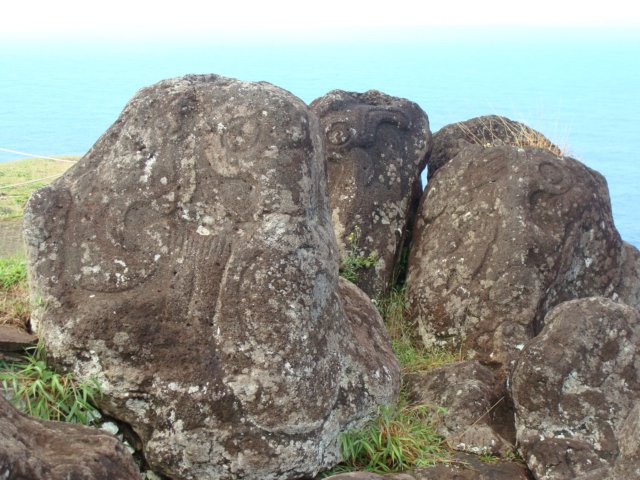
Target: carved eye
column 339, row 133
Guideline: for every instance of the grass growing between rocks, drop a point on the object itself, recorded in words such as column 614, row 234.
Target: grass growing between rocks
column 14, row 296
column 403, row 436
column 19, row 178
column 412, row 355
column 40, row 392
column 355, row 261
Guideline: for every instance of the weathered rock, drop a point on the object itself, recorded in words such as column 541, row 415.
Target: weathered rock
column 464, row 467
column 488, row 130
column 503, row 235
column 32, row 449
column 189, row 263
column 14, row 339
column 377, row 147
column 478, row 418
column 576, row 388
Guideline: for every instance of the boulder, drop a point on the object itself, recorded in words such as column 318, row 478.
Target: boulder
column 377, row 147
column 575, row 390
column 33, row 449
column 503, row 234
column 486, row 131
column 188, row 262
column 477, row 417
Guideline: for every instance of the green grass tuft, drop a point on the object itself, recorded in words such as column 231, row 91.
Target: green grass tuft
column 14, row 297
column 13, row 270
column 40, row 392
column 401, row 437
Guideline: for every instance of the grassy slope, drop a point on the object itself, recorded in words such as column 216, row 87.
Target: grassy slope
column 14, row 304
column 12, row 199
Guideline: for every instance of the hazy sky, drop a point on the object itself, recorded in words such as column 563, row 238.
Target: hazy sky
column 133, row 18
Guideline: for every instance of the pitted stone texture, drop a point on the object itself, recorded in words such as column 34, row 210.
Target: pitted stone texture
column 377, row 147
column 576, row 388
column 504, row 234
column 32, row 449
column 477, row 417
column 189, row 263
column 488, row 130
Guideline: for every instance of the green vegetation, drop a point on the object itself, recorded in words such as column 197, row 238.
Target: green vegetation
column 40, row 392
column 401, row 437
column 19, row 178
column 412, row 355
column 14, row 296
column 355, row 260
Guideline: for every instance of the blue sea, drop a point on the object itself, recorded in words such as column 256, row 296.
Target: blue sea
column 580, row 88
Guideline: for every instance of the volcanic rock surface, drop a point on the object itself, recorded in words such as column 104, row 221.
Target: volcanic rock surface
column 377, row 146
column 189, row 263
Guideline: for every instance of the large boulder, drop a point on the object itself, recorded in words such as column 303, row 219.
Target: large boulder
column 377, row 147
column 477, row 417
column 576, row 388
column 503, row 234
column 33, row 449
column 487, row 131
column 188, row 262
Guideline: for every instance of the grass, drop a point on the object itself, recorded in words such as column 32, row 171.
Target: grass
column 40, row 392
column 401, row 437
column 355, row 260
column 19, row 178
column 412, row 355
column 511, row 133
column 14, row 295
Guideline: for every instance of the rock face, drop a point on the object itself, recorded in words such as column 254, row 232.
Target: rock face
column 576, row 388
column 477, row 417
column 32, row 449
column 189, row 263
column 377, row 146
column 488, row 130
column 504, row 234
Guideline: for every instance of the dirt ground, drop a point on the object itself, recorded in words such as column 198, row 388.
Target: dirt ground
column 11, row 240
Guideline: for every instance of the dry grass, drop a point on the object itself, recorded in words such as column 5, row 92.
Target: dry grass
column 500, row 131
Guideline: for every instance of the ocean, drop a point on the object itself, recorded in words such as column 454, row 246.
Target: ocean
column 580, row 88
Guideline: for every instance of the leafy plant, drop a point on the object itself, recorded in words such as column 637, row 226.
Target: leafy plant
column 355, row 261
column 401, row 437
column 40, row 392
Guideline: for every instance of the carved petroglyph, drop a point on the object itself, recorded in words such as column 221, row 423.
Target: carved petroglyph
column 199, row 284
column 501, row 239
column 376, row 147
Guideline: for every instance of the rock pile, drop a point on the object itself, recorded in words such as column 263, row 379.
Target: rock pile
column 190, row 263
